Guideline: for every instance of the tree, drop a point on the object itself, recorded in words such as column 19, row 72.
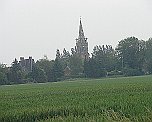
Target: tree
column 73, row 52
column 93, row 69
column 57, row 70
column 65, row 58
column 3, row 74
column 15, row 74
column 37, row 75
column 130, row 53
column 105, row 56
column 58, row 55
column 47, row 66
column 148, row 57
column 76, row 65
column 102, row 61
column 65, row 54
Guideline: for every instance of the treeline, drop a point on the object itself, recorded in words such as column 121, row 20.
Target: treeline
column 131, row 57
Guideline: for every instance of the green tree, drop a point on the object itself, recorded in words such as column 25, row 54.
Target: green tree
column 47, row 66
column 102, row 61
column 37, row 75
column 65, row 54
column 148, row 57
column 93, row 69
column 130, row 54
column 76, row 65
column 3, row 74
column 58, row 55
column 65, row 58
column 57, row 70
column 105, row 56
column 15, row 75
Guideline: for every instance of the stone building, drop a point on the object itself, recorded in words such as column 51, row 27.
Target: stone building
column 26, row 64
column 67, row 71
column 81, row 47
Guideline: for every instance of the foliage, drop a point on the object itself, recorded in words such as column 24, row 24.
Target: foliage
column 131, row 57
column 130, row 52
column 3, row 74
column 102, row 61
column 76, row 65
column 148, row 57
column 47, row 66
column 93, row 69
column 37, row 74
column 131, row 72
column 105, row 56
column 57, row 70
column 15, row 74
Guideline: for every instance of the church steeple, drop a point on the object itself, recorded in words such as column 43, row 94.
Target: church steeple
column 81, row 33
column 81, row 43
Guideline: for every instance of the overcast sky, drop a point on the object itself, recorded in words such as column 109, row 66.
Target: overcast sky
column 38, row 27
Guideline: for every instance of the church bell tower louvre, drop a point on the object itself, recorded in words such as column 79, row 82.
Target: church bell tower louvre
column 81, row 47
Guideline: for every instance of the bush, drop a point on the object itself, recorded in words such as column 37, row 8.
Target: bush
column 115, row 73
column 132, row 72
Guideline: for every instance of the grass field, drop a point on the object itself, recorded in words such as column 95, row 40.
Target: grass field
column 95, row 100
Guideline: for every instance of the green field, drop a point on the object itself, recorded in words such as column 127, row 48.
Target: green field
column 95, row 100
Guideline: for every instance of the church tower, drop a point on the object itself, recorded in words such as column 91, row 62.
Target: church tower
column 82, row 44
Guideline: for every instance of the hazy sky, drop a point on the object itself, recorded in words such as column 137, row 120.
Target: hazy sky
column 38, row 27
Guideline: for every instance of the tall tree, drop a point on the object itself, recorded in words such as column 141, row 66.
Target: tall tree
column 102, row 61
column 3, row 74
column 37, row 75
column 65, row 58
column 130, row 53
column 47, row 66
column 105, row 56
column 76, row 65
column 93, row 69
column 65, row 54
column 58, row 54
column 148, row 57
column 57, row 70
column 15, row 74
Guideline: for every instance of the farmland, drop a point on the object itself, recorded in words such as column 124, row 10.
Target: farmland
column 109, row 99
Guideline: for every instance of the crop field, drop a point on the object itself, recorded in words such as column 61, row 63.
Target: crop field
column 95, row 100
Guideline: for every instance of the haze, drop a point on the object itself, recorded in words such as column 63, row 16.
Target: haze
column 39, row 27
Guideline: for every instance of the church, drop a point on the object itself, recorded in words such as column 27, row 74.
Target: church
column 81, row 48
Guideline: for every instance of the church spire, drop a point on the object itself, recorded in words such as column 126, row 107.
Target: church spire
column 81, row 33
column 81, row 47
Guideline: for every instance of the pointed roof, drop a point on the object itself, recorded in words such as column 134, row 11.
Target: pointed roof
column 81, row 33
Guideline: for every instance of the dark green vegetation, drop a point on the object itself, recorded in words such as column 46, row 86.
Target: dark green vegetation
column 110, row 99
column 131, row 57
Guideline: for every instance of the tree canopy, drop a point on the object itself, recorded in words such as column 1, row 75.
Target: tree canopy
column 131, row 57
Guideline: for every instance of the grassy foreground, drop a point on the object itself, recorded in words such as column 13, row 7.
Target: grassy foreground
column 108, row 100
